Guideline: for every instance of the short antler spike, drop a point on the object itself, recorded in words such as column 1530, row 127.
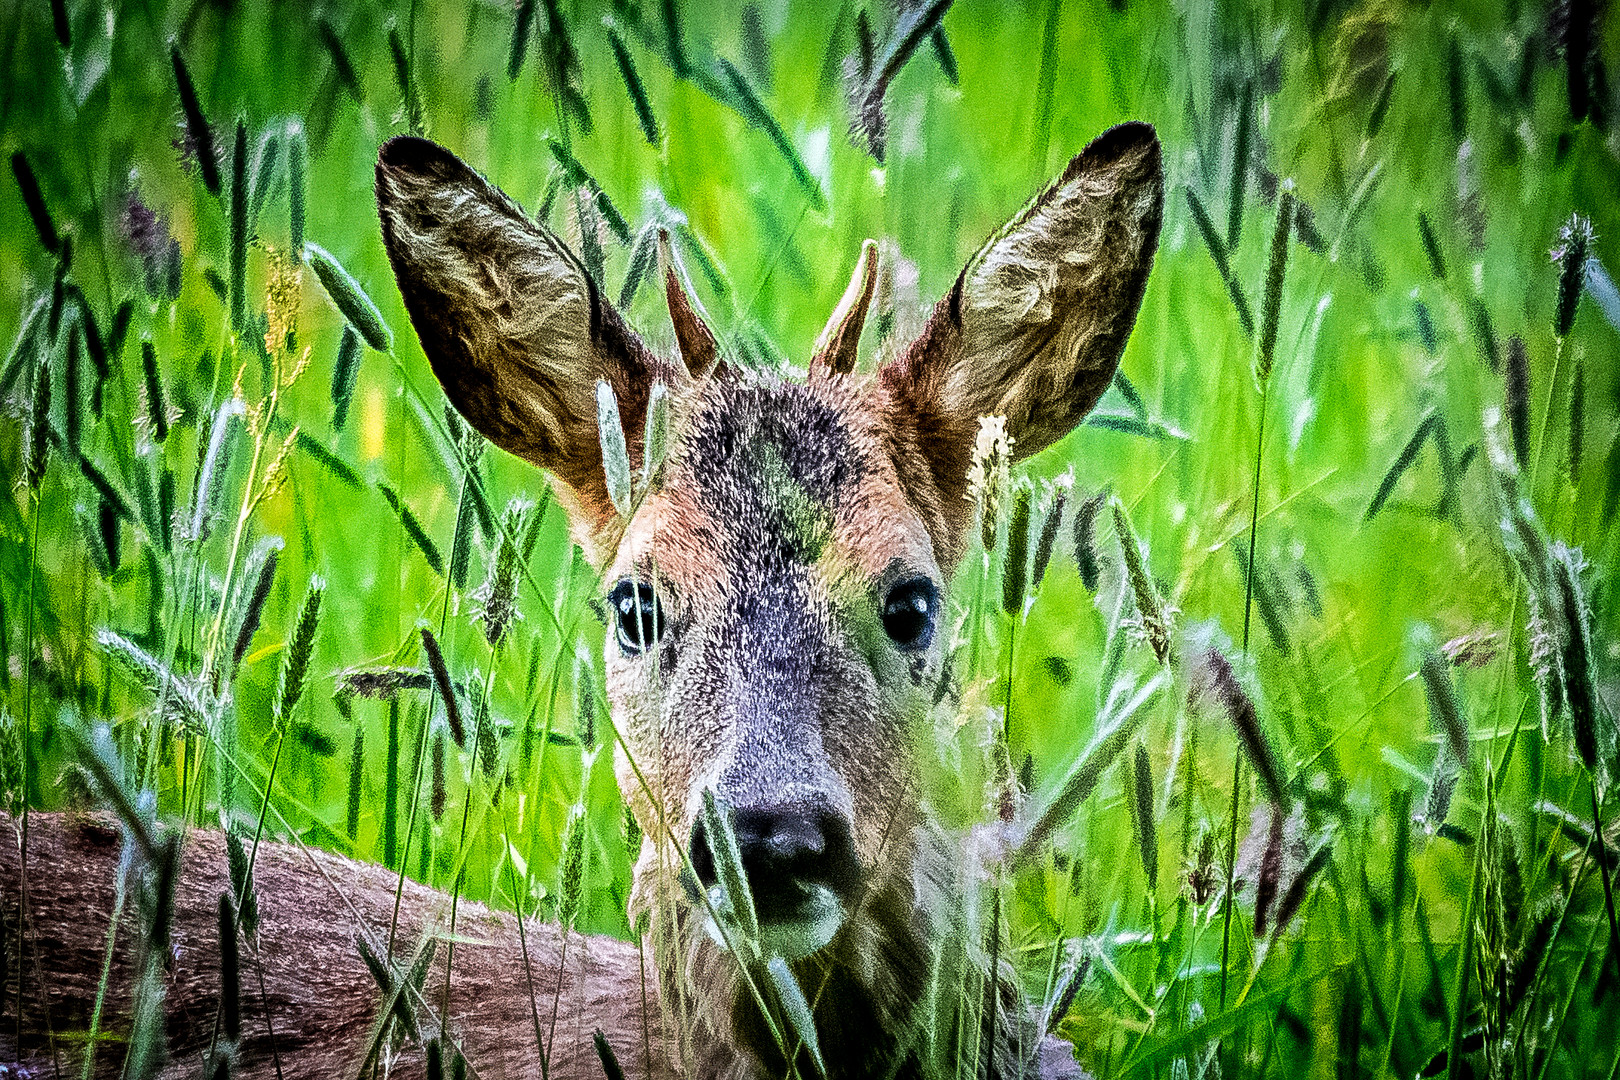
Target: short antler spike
column 692, row 335
column 835, row 351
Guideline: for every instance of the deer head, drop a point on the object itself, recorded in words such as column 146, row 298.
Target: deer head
column 776, row 599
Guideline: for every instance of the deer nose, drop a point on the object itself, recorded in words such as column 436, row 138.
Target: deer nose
column 787, row 853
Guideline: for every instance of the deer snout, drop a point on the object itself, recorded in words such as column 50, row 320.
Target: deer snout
column 796, row 857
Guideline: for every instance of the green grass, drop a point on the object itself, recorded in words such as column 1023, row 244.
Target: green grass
column 1371, row 549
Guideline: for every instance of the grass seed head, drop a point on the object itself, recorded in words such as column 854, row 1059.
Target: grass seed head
column 349, row 298
column 571, row 884
column 437, row 788
column 230, row 979
column 1085, row 540
column 1574, row 243
column 1276, row 268
column 1580, row 692
column 441, row 682
column 1051, row 521
column 1147, row 840
column 357, row 772
column 1517, row 393
column 1445, row 711
column 988, row 475
column 497, row 597
column 262, row 581
column 1015, row 571
column 39, row 427
column 281, row 302
column 1221, row 681
column 1151, row 610
column 295, row 662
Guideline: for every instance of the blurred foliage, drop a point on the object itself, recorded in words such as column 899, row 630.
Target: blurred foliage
column 1436, row 152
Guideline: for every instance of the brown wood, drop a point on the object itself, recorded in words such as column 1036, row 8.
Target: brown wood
column 314, row 908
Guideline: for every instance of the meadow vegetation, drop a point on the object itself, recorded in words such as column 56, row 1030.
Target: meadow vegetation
column 1284, row 696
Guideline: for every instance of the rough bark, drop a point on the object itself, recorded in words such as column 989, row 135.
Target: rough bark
column 318, row 997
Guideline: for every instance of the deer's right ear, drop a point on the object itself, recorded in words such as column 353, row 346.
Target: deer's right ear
column 512, row 323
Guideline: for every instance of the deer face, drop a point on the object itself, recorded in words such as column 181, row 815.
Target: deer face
column 775, row 600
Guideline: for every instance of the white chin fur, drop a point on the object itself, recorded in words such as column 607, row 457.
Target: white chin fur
column 808, row 931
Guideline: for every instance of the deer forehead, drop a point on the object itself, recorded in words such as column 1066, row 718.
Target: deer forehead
column 777, row 480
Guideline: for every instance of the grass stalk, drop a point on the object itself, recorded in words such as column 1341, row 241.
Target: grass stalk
column 1237, row 762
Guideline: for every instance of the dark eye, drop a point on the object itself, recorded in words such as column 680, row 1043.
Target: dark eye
column 908, row 613
column 638, row 619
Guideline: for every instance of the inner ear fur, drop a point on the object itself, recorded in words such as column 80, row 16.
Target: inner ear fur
column 1034, row 326
column 510, row 320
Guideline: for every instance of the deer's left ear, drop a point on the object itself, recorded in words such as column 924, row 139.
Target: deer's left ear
column 1034, row 326
column 514, row 327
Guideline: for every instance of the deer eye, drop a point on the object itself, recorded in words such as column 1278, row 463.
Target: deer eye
column 638, row 619
column 909, row 611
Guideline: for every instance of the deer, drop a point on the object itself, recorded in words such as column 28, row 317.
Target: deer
column 777, row 623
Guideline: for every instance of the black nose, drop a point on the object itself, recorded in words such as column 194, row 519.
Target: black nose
column 786, row 852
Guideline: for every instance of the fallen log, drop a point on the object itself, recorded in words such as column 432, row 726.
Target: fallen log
column 309, row 1004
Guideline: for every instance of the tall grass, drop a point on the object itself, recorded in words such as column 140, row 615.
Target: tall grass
column 1233, row 847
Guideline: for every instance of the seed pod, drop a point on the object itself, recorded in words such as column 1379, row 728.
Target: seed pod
column 349, row 298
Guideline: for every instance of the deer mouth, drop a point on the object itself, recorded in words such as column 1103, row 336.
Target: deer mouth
column 802, row 874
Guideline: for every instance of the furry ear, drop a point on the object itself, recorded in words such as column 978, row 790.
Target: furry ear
column 512, row 323
column 1034, row 327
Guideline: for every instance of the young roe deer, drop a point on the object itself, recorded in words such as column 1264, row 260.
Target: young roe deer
column 776, row 605
column 776, row 598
